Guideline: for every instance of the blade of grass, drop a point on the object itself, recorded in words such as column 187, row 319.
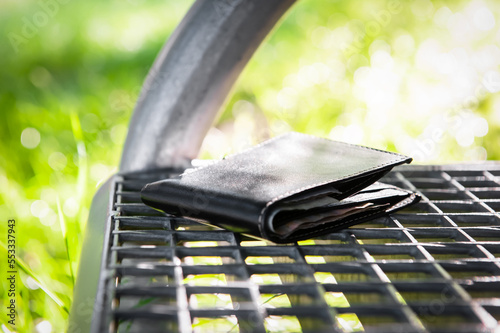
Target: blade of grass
column 271, row 298
column 145, row 301
column 24, row 267
column 81, row 182
column 62, row 222
column 26, row 320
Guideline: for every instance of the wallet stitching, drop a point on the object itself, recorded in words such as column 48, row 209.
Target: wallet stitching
column 349, row 144
column 400, row 204
column 401, row 157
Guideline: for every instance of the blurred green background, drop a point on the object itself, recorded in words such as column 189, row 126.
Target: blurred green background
column 418, row 77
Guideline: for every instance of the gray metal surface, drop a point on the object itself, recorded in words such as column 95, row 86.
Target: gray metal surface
column 433, row 267
column 191, row 78
column 92, row 263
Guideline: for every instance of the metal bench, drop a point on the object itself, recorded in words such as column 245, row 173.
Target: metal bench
column 433, row 267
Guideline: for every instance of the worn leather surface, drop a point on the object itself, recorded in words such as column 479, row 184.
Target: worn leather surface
column 238, row 192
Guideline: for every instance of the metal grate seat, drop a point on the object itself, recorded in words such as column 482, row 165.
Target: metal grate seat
column 433, row 267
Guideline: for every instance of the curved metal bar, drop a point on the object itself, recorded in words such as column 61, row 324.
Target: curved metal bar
column 191, row 78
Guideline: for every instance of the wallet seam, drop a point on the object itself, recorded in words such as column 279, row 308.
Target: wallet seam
column 401, row 157
column 347, row 144
column 403, row 203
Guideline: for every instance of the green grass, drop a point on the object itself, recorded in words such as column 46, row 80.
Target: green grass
column 67, row 90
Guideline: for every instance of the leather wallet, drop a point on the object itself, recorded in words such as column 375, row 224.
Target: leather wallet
column 289, row 188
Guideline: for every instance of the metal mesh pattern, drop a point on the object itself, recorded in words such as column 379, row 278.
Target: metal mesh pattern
column 432, row 267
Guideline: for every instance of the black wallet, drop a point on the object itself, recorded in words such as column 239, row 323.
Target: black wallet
column 289, row 188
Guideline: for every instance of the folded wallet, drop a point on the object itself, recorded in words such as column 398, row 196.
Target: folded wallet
column 289, row 188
